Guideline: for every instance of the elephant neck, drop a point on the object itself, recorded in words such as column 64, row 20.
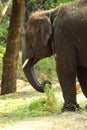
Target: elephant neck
column 53, row 17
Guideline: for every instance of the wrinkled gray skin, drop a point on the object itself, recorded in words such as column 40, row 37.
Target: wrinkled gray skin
column 66, row 27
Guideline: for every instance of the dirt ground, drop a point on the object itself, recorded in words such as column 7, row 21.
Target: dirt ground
column 77, row 122
column 64, row 121
column 42, row 123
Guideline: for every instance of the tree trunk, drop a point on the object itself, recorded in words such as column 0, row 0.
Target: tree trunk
column 9, row 76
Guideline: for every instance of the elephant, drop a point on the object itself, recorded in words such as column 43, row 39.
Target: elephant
column 61, row 31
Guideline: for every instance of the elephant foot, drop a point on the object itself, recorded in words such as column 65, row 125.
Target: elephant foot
column 70, row 107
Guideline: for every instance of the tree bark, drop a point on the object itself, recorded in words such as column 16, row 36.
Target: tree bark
column 8, row 84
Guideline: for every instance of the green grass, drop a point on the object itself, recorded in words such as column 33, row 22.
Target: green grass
column 18, row 106
column 24, row 105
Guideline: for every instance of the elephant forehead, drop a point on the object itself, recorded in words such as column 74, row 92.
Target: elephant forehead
column 31, row 29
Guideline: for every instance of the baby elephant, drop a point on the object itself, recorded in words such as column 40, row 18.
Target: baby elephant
column 62, row 31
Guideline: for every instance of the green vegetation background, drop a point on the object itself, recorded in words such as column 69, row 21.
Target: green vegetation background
column 45, row 68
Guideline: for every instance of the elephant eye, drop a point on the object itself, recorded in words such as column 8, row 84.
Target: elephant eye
column 31, row 46
column 27, row 37
column 38, row 30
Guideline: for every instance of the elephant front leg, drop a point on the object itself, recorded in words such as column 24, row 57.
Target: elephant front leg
column 67, row 79
column 82, row 77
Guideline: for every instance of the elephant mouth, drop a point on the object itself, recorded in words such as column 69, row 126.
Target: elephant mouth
column 30, row 61
column 28, row 68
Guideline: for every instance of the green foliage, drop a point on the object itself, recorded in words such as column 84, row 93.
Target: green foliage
column 4, row 26
column 50, row 102
column 49, row 4
column 46, row 69
column 2, row 5
column 2, row 50
column 4, row 30
column 19, row 106
column 39, row 5
column 37, row 104
column 24, row 107
column 47, row 104
column 63, row 1
column 45, row 4
column 28, row 105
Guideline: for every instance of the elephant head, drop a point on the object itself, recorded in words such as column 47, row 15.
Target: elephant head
column 37, row 45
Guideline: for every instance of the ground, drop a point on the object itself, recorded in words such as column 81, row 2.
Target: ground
column 64, row 121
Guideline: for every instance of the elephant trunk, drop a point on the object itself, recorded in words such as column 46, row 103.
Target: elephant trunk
column 29, row 73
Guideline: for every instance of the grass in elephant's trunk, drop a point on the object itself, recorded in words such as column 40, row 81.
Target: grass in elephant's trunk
column 50, row 102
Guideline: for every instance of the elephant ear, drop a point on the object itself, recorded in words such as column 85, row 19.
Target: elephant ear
column 46, row 30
